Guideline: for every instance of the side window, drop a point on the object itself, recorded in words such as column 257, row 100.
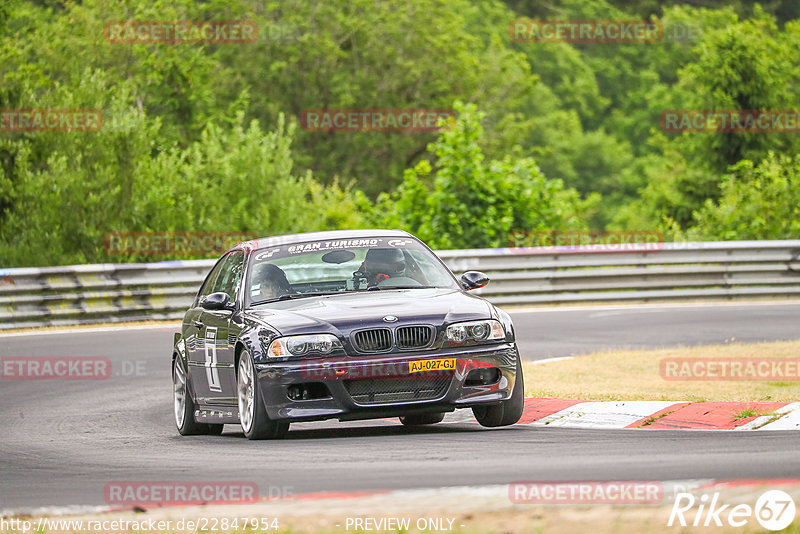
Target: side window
column 209, row 284
column 230, row 276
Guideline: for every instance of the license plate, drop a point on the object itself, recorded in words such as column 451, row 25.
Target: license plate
column 444, row 364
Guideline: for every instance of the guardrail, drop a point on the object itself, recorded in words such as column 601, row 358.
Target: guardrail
column 82, row 294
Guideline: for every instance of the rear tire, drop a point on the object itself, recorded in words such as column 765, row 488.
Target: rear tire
column 253, row 417
column 510, row 411
column 422, row 419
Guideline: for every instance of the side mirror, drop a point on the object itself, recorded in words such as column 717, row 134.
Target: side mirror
column 216, row 301
column 473, row 280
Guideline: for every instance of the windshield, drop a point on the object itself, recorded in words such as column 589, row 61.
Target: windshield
column 339, row 266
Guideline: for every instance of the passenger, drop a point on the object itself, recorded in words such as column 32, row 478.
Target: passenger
column 272, row 282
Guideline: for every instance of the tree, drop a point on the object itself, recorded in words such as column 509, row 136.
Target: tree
column 461, row 201
column 757, row 202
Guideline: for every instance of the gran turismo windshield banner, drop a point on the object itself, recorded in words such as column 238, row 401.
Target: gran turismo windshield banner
column 294, row 249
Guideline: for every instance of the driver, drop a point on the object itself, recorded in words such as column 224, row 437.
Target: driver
column 383, row 263
column 271, row 280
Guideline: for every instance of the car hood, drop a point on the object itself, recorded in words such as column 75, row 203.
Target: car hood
column 345, row 312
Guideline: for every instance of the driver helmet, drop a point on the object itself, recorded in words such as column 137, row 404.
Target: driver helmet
column 383, row 263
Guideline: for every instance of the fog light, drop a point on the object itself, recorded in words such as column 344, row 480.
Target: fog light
column 298, row 392
column 483, row 377
column 308, row 391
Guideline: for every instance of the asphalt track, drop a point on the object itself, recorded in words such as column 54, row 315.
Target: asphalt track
column 63, row 441
column 552, row 332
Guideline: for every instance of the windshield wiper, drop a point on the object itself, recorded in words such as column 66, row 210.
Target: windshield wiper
column 379, row 288
column 291, row 296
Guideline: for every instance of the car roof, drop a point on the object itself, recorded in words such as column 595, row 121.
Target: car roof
column 265, row 242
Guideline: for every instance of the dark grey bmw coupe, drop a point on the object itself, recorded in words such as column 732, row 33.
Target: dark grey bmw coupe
column 356, row 324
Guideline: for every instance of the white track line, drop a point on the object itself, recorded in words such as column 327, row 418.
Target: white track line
column 90, row 330
column 666, row 305
column 549, row 360
column 789, row 420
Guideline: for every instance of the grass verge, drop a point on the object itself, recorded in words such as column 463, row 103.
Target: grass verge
column 635, row 375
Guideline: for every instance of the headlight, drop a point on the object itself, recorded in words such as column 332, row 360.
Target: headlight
column 474, row 331
column 302, row 345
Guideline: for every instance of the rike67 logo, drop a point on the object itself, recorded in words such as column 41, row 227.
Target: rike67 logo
column 774, row 510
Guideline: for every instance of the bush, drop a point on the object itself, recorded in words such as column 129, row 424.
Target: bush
column 757, row 202
column 234, row 179
column 463, row 202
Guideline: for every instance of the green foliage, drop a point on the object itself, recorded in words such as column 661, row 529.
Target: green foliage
column 757, row 202
column 736, row 65
column 749, row 65
column 367, row 54
column 473, row 203
column 783, row 10
column 233, row 179
column 205, row 137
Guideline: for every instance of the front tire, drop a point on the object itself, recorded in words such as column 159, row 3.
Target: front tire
column 422, row 419
column 184, row 405
column 253, row 417
column 508, row 412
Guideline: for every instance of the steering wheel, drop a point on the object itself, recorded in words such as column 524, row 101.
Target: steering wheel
column 358, row 278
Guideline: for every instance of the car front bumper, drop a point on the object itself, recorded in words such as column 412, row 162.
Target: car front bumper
column 368, row 387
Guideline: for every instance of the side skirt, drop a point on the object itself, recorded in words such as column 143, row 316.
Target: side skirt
column 217, row 416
